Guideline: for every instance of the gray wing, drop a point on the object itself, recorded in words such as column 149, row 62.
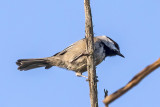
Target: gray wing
column 64, row 51
column 73, row 52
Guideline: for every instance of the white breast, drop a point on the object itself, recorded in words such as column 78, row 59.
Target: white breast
column 99, row 53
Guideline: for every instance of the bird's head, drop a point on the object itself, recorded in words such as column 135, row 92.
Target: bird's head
column 110, row 46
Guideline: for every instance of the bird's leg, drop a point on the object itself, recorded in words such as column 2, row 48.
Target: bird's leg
column 79, row 74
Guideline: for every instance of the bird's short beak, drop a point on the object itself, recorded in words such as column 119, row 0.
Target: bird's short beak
column 120, row 54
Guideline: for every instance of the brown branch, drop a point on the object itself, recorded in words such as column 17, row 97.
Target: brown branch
column 90, row 50
column 136, row 79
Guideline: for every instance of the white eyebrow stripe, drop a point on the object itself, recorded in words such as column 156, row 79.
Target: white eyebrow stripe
column 108, row 42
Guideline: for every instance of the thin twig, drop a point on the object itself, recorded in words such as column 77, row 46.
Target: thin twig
column 90, row 58
column 136, row 79
column 105, row 95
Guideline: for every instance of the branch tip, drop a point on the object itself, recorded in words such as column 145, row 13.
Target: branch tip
column 134, row 81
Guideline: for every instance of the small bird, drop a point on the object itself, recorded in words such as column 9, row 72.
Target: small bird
column 74, row 57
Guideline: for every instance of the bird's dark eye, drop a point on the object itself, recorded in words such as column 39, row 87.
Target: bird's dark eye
column 108, row 51
column 116, row 45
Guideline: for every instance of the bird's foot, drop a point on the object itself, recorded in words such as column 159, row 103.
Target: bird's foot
column 96, row 79
column 78, row 74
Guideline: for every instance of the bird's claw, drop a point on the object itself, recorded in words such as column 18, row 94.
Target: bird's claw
column 96, row 79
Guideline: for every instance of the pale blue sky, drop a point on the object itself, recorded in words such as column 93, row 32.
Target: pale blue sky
column 41, row 28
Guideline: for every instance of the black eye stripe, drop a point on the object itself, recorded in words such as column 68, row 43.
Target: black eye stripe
column 116, row 45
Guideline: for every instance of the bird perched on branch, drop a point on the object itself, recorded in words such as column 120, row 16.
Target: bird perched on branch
column 74, row 57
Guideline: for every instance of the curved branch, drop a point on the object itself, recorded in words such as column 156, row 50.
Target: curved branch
column 136, row 79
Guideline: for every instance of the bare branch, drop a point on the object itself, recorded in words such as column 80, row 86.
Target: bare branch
column 90, row 50
column 136, row 79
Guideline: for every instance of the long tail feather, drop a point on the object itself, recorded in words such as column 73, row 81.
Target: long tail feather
column 27, row 64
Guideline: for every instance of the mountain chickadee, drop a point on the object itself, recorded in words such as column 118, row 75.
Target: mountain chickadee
column 74, row 57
